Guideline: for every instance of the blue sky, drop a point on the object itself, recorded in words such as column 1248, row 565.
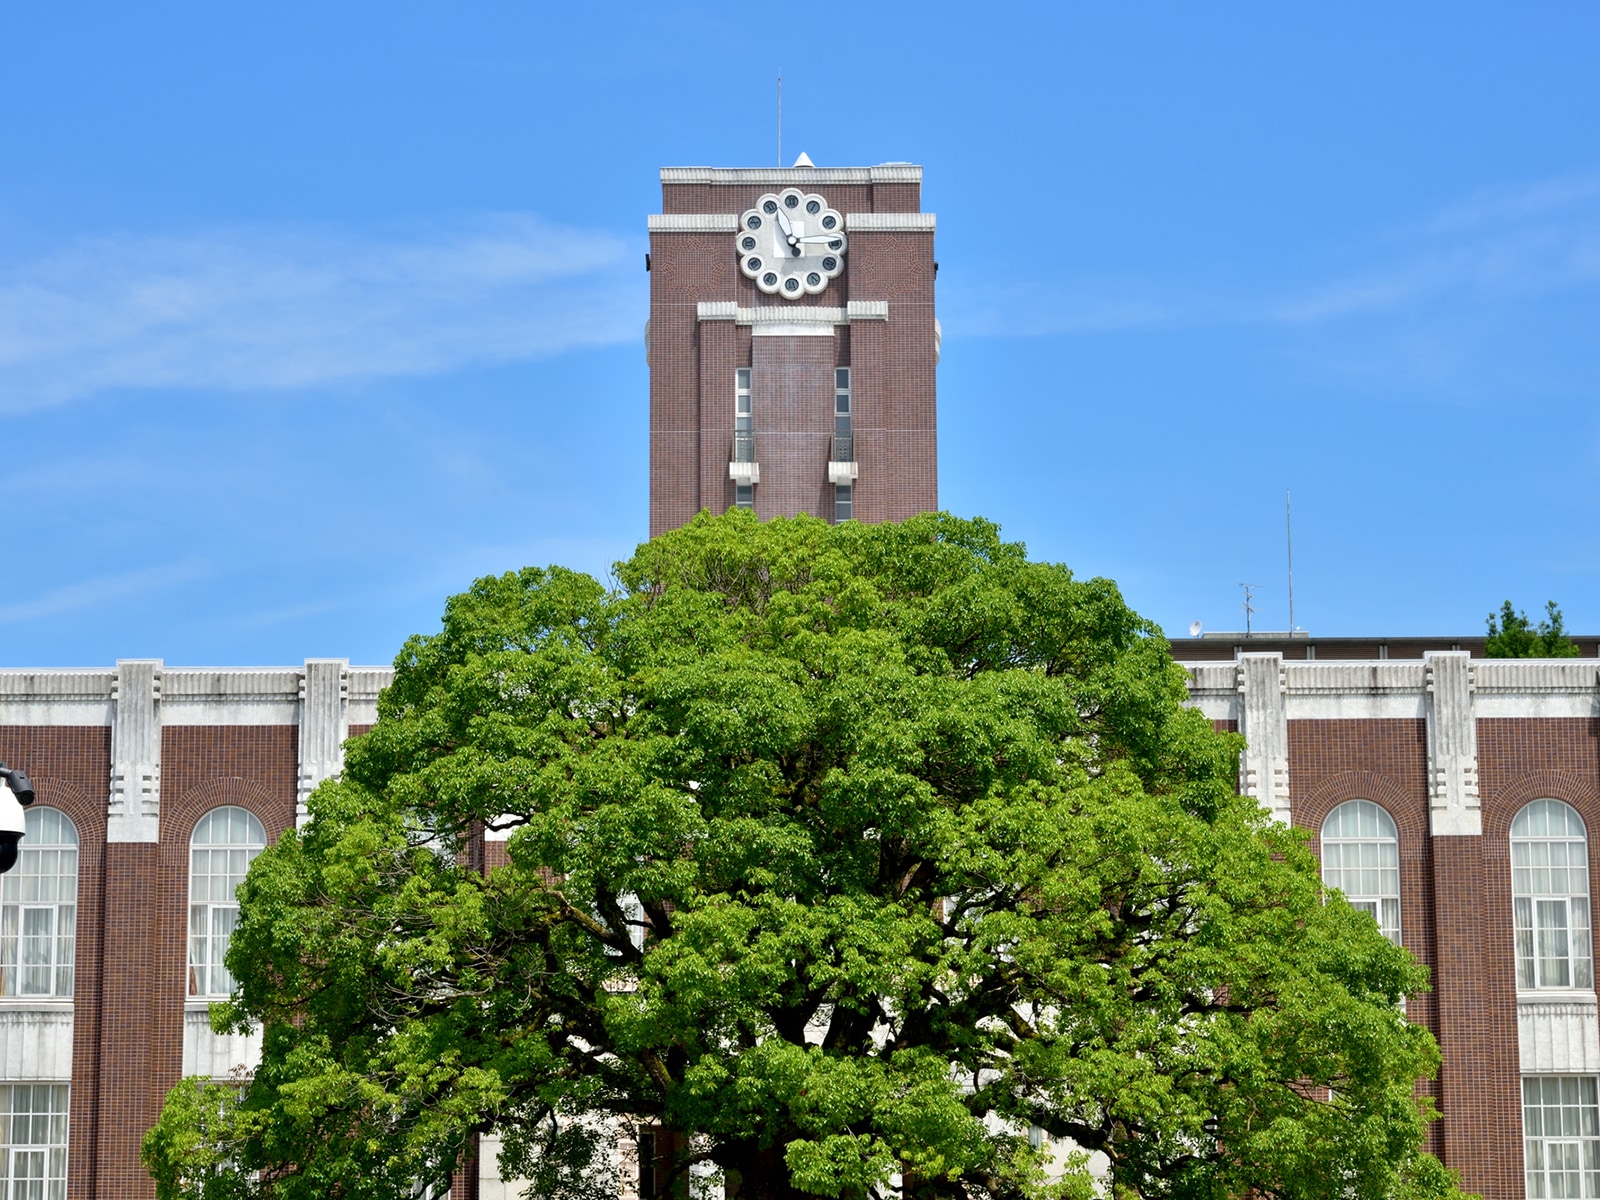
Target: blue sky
column 310, row 314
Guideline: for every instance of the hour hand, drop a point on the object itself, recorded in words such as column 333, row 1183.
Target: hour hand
column 783, row 224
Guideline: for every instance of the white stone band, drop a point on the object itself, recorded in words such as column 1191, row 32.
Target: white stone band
column 918, row 222
column 795, row 176
column 693, row 222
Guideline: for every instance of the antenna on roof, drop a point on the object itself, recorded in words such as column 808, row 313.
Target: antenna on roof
column 780, row 118
column 1249, row 609
column 1288, row 533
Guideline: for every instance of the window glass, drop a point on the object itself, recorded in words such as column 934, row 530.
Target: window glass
column 33, row 1141
column 843, row 501
column 224, row 844
column 1361, row 857
column 1561, row 1136
column 39, row 908
column 1550, row 897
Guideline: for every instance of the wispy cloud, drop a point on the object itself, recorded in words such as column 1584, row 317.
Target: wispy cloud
column 95, row 593
column 1500, row 245
column 268, row 308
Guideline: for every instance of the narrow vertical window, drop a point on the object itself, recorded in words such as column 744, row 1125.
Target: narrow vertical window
column 220, row 852
column 647, row 1163
column 744, row 438
column 1361, row 857
column 39, row 909
column 33, row 1141
column 1550, row 896
column 844, row 447
column 1561, row 1136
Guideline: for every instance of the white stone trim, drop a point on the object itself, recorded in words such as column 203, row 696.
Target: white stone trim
column 781, row 177
column 1535, row 705
column 364, row 685
column 1214, row 690
column 1528, row 676
column 692, row 222
column 794, row 328
column 1343, row 678
column 917, row 222
column 747, row 473
column 216, row 1055
column 1356, row 706
column 1452, row 744
column 1558, row 1034
column 1264, row 766
column 843, row 472
column 134, row 809
column 867, row 310
column 766, row 318
column 56, row 697
column 36, row 1043
column 324, row 725
column 230, row 696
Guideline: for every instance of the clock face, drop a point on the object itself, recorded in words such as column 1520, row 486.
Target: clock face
column 791, row 243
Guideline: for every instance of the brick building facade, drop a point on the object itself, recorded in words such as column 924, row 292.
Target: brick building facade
column 1489, row 773
column 156, row 784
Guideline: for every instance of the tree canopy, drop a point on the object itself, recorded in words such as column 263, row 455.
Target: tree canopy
column 852, row 855
column 1514, row 636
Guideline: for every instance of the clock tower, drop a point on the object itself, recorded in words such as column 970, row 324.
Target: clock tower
column 792, row 343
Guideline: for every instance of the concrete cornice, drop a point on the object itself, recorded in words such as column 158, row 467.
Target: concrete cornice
column 917, row 222
column 729, row 222
column 792, row 314
column 794, row 176
column 693, row 222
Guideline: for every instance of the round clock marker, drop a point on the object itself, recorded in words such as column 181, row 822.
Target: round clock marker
column 791, row 243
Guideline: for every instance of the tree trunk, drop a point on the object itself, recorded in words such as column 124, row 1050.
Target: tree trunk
column 758, row 1174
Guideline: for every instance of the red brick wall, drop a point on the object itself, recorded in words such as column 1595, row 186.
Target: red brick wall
column 1456, row 913
column 1385, row 761
column 792, row 384
column 146, row 927
column 685, row 269
column 71, row 769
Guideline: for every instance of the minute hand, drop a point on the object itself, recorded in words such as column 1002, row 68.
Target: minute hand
column 822, row 237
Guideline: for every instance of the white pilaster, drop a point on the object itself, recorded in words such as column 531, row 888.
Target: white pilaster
column 134, row 810
column 1264, row 770
column 324, row 725
column 1452, row 744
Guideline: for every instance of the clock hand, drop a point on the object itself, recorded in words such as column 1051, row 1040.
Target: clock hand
column 788, row 229
column 820, row 237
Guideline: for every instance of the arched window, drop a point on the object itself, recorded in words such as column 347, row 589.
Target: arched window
column 1550, row 893
column 1361, row 857
column 224, row 842
column 39, row 908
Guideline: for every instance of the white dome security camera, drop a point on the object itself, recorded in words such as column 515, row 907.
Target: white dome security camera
column 16, row 793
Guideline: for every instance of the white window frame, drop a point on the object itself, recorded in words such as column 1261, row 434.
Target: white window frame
column 213, row 908
column 34, row 1121
column 1364, row 864
column 1550, row 898
column 1561, row 1136
column 39, row 910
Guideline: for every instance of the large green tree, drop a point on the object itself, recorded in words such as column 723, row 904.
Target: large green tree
column 848, row 853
